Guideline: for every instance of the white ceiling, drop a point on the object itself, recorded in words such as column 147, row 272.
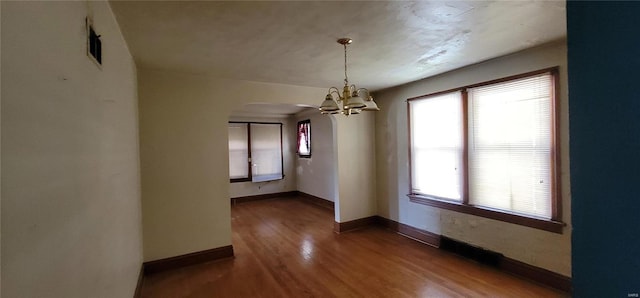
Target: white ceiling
column 295, row 42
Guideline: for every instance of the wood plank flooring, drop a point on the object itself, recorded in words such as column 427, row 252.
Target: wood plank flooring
column 286, row 247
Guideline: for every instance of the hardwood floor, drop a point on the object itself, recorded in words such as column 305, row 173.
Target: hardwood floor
column 287, row 248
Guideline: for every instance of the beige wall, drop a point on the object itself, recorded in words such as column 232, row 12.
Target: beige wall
column 0, row 167
column 288, row 183
column 356, row 166
column 184, row 155
column 318, row 175
column 71, row 220
column 540, row 248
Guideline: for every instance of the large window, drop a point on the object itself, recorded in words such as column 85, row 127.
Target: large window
column 489, row 149
column 304, row 138
column 255, row 151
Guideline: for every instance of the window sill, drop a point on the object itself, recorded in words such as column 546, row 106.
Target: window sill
column 266, row 178
column 258, row 178
column 536, row 223
column 234, row 180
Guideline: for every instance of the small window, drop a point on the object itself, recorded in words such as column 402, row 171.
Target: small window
column 304, row 138
column 94, row 44
column 255, row 152
column 489, row 150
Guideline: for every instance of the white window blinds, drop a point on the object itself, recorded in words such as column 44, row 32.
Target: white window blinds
column 266, row 152
column 437, row 146
column 510, row 132
column 238, row 151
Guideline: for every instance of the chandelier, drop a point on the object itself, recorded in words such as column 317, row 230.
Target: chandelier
column 351, row 97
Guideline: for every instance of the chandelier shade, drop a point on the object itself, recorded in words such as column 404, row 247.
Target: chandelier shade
column 329, row 105
column 354, row 100
column 371, row 106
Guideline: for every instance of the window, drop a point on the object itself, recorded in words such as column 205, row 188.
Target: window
column 94, row 44
column 438, row 146
column 255, row 151
column 239, row 152
column 304, row 138
column 489, row 150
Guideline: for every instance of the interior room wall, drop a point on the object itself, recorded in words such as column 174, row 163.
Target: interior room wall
column 288, row 183
column 532, row 246
column 317, row 175
column 185, row 160
column 184, row 155
column 71, row 219
column 604, row 108
column 0, row 164
column 356, row 151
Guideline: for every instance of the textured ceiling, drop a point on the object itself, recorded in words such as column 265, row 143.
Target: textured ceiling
column 295, row 42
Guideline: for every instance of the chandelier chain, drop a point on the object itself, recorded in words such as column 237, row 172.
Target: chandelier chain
column 346, row 79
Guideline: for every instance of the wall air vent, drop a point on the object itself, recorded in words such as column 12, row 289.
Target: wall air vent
column 94, row 44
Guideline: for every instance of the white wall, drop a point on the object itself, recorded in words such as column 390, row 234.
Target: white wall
column 317, row 175
column 241, row 189
column 540, row 248
column 71, row 220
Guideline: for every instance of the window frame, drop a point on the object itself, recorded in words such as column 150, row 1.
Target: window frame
column 554, row 224
column 250, row 176
column 308, row 122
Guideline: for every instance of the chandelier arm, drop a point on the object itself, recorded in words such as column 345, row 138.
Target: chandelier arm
column 366, row 90
column 335, row 90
